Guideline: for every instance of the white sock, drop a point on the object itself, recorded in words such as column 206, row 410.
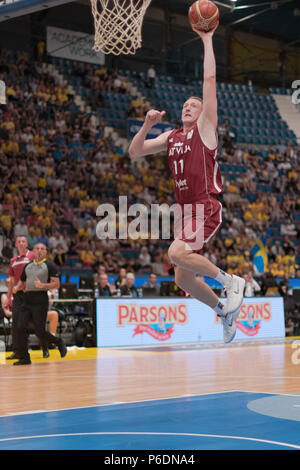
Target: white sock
column 220, row 309
column 224, row 278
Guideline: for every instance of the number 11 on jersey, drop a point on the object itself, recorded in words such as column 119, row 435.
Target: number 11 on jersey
column 181, row 166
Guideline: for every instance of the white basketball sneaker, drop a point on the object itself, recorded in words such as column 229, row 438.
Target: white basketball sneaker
column 235, row 295
column 229, row 326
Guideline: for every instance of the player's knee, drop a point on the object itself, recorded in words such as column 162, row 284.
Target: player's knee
column 175, row 253
column 171, row 253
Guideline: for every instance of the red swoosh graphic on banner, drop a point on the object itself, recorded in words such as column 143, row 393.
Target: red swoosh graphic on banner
column 154, row 333
column 248, row 331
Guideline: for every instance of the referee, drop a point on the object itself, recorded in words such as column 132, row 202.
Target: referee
column 38, row 276
column 16, row 266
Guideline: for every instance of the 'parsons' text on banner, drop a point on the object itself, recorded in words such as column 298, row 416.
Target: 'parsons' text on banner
column 150, row 321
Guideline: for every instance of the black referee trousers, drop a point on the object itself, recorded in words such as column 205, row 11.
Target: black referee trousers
column 17, row 311
column 35, row 310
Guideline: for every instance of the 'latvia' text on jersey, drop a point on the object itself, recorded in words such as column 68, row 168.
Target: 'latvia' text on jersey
column 194, row 167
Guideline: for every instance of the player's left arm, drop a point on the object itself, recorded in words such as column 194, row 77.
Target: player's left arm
column 20, row 286
column 208, row 120
column 4, row 305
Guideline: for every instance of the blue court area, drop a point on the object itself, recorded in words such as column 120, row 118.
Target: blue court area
column 224, row 421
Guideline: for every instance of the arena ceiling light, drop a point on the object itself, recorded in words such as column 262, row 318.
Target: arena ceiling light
column 271, row 5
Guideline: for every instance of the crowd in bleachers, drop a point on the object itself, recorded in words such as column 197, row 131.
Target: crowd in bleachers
column 57, row 166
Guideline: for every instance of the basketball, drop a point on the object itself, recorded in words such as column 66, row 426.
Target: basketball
column 203, row 15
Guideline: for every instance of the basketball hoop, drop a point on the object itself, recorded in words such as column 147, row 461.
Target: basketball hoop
column 118, row 25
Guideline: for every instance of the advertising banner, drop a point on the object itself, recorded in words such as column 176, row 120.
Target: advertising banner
column 134, row 125
column 136, row 322
column 73, row 45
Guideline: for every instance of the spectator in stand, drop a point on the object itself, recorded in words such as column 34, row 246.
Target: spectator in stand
column 58, row 239
column 267, row 281
column 152, row 283
column 251, row 286
column 119, row 85
column 285, row 287
column 7, row 251
column 288, row 229
column 110, row 264
column 281, row 147
column 100, row 270
column 137, row 108
column 43, row 237
column 151, row 76
column 59, row 256
column 105, row 289
column 6, row 220
column 32, row 238
column 121, row 279
column 144, row 259
column 288, row 246
column 21, row 228
column 87, row 256
column 276, row 249
column 157, row 266
column 129, row 289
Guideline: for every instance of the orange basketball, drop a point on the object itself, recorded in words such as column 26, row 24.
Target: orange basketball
column 203, row 15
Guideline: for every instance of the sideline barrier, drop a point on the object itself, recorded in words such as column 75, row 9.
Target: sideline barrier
column 161, row 320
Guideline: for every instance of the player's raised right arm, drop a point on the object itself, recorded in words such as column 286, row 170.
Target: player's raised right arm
column 141, row 146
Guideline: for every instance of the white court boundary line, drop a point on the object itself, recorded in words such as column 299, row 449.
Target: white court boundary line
column 18, row 413
column 119, row 403
column 145, row 401
column 215, row 436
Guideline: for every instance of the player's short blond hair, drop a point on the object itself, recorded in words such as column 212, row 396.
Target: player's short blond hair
column 195, row 98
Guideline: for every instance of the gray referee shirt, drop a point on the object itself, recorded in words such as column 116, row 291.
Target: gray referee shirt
column 42, row 270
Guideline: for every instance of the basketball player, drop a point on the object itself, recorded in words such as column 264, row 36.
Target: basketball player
column 197, row 181
column 16, row 267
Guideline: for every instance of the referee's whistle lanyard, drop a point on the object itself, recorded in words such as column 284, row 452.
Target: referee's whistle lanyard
column 39, row 262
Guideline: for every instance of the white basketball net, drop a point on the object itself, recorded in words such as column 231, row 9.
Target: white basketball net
column 118, row 25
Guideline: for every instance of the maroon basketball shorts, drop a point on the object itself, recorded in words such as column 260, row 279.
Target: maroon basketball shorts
column 197, row 223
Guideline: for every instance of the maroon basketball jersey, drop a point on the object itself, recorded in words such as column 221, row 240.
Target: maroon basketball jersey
column 17, row 264
column 194, row 167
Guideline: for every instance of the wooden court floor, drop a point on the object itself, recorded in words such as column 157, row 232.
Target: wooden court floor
column 91, row 377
